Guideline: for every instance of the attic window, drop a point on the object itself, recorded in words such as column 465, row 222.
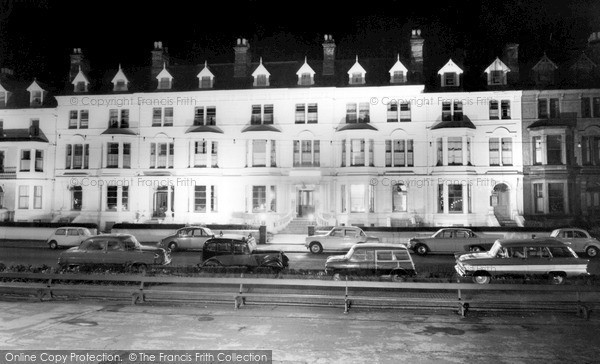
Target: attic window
column 306, row 79
column 120, row 85
column 497, row 78
column 164, row 83
column 261, row 80
column 3, row 98
column 357, row 79
column 398, row 77
column 449, row 79
column 81, row 87
column 206, row 82
column 36, row 98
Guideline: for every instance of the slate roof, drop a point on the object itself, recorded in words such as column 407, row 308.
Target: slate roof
column 22, row 135
column 464, row 123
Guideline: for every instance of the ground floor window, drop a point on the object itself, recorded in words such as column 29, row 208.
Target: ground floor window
column 556, row 198
column 260, row 198
column 357, row 198
column 23, row 197
column 399, row 197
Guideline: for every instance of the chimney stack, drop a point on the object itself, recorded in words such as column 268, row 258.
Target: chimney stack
column 594, row 46
column 416, row 55
column 77, row 60
column 328, row 56
column 243, row 58
column 160, row 57
column 511, row 57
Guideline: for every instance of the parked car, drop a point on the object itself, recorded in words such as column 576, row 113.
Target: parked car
column 340, row 238
column 68, row 236
column 580, row 240
column 547, row 257
column 189, row 237
column 393, row 260
column 233, row 250
column 451, row 240
column 122, row 250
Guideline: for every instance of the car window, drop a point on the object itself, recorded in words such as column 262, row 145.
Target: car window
column 337, row 232
column 129, row 244
column 384, row 255
column 560, row 252
column 93, row 245
column 446, row 234
column 361, row 233
column 115, row 245
column 72, row 232
column 210, row 247
column 224, row 246
column 461, row 234
column 516, row 252
column 358, row 255
column 60, row 232
column 199, row 232
column 579, row 234
column 537, row 252
column 401, row 254
column 240, row 248
column 568, row 234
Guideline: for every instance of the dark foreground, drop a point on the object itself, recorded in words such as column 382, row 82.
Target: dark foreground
column 302, row 334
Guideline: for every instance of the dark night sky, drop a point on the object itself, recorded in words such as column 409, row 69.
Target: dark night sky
column 37, row 36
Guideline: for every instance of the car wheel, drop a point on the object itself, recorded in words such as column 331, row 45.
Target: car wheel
column 53, row 244
column 140, row 268
column 172, row 246
column 315, row 248
column 591, row 252
column 557, row 278
column 336, row 277
column 476, row 249
column 397, row 277
column 211, row 263
column 481, row 279
column 421, row 249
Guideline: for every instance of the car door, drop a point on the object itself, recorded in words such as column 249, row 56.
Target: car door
column 538, row 260
column 115, row 253
column 384, row 262
column 242, row 256
column 72, row 238
column 199, row 237
column 350, row 238
column 95, row 252
column 184, row 238
column 444, row 242
column 579, row 241
column 83, row 234
column 335, row 239
column 224, row 252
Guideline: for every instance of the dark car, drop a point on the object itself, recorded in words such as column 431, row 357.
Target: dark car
column 373, row 259
column 189, row 237
column 240, row 251
column 122, row 250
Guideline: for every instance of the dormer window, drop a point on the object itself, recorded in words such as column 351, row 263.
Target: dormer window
column 356, row 74
column 3, row 98
column 206, row 77
column 306, row 75
column 164, row 78
column 120, row 81
column 496, row 78
column 36, row 94
column 398, row 72
column 496, row 73
column 544, row 71
column 81, row 87
column 306, row 79
column 450, row 74
column 80, row 82
column 261, row 76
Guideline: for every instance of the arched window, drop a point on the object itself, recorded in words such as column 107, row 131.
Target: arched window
column 399, row 197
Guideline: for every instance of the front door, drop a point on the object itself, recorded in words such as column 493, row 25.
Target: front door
column 306, row 205
column 500, row 200
column 160, row 202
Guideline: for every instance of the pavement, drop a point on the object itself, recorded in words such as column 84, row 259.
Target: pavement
column 304, row 334
column 289, row 243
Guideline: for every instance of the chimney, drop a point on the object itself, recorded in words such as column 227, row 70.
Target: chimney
column 160, row 57
column 328, row 56
column 243, row 57
column 511, row 57
column 594, row 46
column 77, row 60
column 416, row 55
column 6, row 73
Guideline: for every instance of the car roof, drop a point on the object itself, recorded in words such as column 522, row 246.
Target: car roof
column 380, row 245
column 549, row 242
column 114, row 235
column 578, row 229
column 230, row 237
column 455, row 228
column 71, row 227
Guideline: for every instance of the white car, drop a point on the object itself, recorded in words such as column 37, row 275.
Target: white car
column 340, row 238
column 68, row 236
column 580, row 240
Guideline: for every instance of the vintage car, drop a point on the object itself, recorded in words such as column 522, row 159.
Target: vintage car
column 233, row 250
column 122, row 250
column 450, row 241
column 580, row 240
column 68, row 236
column 189, row 237
column 340, row 238
column 546, row 257
column 393, row 260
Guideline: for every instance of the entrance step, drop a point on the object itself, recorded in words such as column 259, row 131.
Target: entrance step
column 297, row 226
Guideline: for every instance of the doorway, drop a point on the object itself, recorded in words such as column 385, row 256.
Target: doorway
column 306, row 204
column 501, row 200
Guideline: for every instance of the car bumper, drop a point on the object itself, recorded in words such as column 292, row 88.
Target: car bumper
column 461, row 271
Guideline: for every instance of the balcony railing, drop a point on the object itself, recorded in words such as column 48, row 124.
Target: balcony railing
column 8, row 172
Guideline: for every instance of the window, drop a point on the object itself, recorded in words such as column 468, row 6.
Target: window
column 23, row 197
column 371, row 198
column 343, row 198
column 371, row 154
column 125, row 198
column 357, row 79
column 494, row 110
column 399, row 153
column 446, row 111
column 538, row 197
column 202, row 157
column 496, row 78
column 556, row 202
column 306, row 113
column 440, row 152
column 554, row 108
column 306, row 153
column 164, row 83
column 162, row 116
column 507, row 159
column 494, row 152
column 357, row 198
column 357, row 152
column 363, row 113
column 262, row 80
column 199, row 198
column 161, row 155
column 440, row 198
column 205, row 115
column 590, row 150
column 398, row 77
column 343, row 153
column 37, row 197
column 586, row 107
column 596, row 107
column 543, row 109
column 554, row 149
column 450, row 79
column 399, row 197
column 394, row 112
column 117, row 118
column 306, row 79
column 39, row 160
column 77, row 156
column 273, row 154
column 259, row 198
column 273, row 199
column 126, row 155
column 536, row 143
column 3, row 99
column 505, row 107
column 25, row 161
column 120, row 85
column 455, row 151
column 73, row 119
column 262, row 114
column 405, row 111
column 112, row 158
column 455, row 198
column 213, row 198
column 259, row 153
column 111, row 198
column 458, row 110
column 36, row 98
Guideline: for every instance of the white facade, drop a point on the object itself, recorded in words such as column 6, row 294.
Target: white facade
column 268, row 155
